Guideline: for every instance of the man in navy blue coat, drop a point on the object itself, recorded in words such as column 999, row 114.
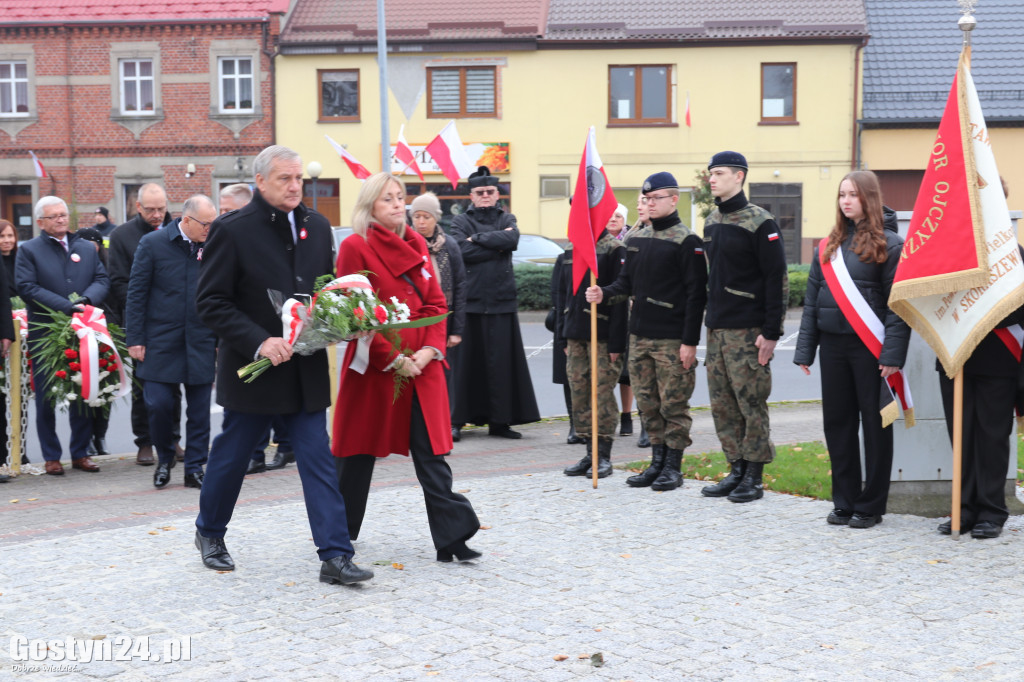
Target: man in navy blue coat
column 168, row 342
column 49, row 270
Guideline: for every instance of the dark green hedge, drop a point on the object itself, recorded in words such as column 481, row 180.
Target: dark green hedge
column 797, row 284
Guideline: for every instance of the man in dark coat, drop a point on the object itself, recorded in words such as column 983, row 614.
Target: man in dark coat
column 169, row 344
column 103, row 224
column 274, row 243
column 151, row 207
column 48, row 271
column 492, row 380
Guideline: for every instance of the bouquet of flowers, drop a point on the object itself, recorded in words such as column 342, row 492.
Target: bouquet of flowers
column 340, row 310
column 81, row 355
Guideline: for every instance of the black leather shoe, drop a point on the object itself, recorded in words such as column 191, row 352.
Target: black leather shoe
column 215, row 554
column 573, row 438
column 626, row 424
column 986, row 530
column 194, row 480
column 580, row 468
column 456, row 434
column 341, row 571
column 839, row 517
column 256, row 466
column 281, row 460
column 503, row 431
column 162, row 475
column 859, row 520
column 90, row 450
column 99, row 444
column 946, row 528
column 457, row 551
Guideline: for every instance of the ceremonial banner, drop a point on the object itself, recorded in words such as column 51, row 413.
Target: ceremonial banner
column 960, row 272
column 593, row 204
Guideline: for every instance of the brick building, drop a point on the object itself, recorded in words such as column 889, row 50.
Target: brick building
column 111, row 94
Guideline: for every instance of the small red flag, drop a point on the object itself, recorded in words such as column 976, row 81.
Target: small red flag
column 593, row 204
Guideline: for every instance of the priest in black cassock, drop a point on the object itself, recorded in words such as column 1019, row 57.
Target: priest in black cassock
column 492, row 380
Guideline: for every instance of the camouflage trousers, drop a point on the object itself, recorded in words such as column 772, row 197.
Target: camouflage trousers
column 662, row 389
column 739, row 387
column 577, row 369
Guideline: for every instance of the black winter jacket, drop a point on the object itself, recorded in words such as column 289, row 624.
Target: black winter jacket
column 490, row 284
column 874, row 281
column 572, row 320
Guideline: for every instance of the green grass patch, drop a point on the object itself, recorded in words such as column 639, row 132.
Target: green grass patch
column 799, row 469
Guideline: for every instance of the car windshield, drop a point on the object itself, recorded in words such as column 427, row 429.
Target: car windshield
column 537, row 246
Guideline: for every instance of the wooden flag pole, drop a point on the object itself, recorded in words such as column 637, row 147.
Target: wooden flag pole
column 14, row 370
column 958, row 439
column 593, row 384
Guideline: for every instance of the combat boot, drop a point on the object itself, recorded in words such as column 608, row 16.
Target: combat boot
column 750, row 488
column 604, row 457
column 573, row 438
column 643, row 441
column 582, row 467
column 650, row 474
column 670, row 478
column 727, row 484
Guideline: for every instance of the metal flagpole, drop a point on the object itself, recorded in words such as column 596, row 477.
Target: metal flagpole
column 382, row 65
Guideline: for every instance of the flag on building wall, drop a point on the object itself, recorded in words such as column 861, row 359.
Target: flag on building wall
column 404, row 153
column 450, row 156
column 960, row 272
column 593, row 204
column 358, row 169
column 688, row 109
column 39, row 168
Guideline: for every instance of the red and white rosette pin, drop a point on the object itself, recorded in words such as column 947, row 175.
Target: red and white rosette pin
column 91, row 328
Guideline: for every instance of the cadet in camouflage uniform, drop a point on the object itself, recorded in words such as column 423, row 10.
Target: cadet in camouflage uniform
column 666, row 274
column 573, row 324
column 746, row 307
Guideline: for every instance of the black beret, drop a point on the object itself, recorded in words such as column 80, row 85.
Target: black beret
column 733, row 159
column 482, row 177
column 662, row 180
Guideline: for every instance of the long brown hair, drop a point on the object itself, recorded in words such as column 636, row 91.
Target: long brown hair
column 869, row 237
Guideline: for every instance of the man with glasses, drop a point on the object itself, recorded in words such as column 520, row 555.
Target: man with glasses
column 170, row 345
column 492, row 380
column 48, row 271
column 151, row 207
column 746, row 308
column 666, row 274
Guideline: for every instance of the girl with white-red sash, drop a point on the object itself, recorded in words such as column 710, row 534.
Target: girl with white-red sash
column 862, row 343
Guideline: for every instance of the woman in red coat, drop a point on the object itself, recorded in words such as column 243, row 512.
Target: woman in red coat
column 369, row 422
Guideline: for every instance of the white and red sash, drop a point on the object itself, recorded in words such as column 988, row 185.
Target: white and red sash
column 91, row 328
column 869, row 329
column 1013, row 338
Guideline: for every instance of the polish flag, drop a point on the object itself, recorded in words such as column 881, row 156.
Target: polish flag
column 40, row 170
column 450, row 156
column 593, row 204
column 688, row 110
column 358, row 169
column 403, row 152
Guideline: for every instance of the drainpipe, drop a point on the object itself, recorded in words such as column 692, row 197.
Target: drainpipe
column 855, row 146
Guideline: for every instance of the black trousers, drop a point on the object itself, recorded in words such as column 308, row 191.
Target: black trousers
column 851, row 388
column 140, row 415
column 987, row 424
column 450, row 515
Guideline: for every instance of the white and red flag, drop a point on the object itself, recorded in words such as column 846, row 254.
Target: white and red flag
column 450, row 156
column 38, row 165
column 960, row 272
column 593, row 204
column 688, row 109
column 404, row 153
column 358, row 169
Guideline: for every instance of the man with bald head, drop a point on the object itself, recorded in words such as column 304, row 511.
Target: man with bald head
column 150, row 207
column 172, row 348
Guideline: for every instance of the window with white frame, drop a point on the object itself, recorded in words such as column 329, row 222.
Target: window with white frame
column 235, row 77
column 137, row 87
column 13, row 88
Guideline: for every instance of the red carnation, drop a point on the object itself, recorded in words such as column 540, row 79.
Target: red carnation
column 74, row 367
column 103, row 362
column 359, row 313
column 71, row 354
column 61, row 374
column 381, row 313
column 112, row 366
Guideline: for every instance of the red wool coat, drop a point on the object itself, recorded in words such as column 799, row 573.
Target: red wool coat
column 367, row 419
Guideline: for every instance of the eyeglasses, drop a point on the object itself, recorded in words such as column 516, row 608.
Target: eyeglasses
column 59, row 216
column 155, row 209
column 652, row 199
column 194, row 219
column 483, row 192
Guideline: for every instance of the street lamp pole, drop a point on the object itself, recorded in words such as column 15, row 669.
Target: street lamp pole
column 314, row 169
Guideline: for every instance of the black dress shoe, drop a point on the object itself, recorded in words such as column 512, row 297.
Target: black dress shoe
column 456, row 434
column 99, row 444
column 626, row 424
column 162, row 475
column 859, row 520
column 946, row 528
column 458, row 551
column 90, row 450
column 215, row 553
column 503, row 431
column 986, row 530
column 194, row 480
column 281, row 460
column 839, row 517
column 256, row 466
column 341, row 570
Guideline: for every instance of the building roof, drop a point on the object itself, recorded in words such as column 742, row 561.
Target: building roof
column 698, row 20
column 912, row 54
column 352, row 22
column 35, row 12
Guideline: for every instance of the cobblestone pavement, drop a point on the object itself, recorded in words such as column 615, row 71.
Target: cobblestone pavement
column 664, row 586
